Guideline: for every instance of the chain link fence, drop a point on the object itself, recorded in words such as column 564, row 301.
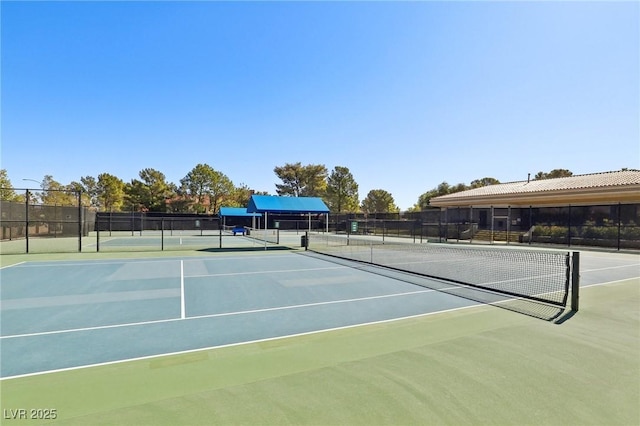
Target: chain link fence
column 55, row 221
column 614, row 226
column 44, row 221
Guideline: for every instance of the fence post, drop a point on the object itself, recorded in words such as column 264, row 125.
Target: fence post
column 80, row 221
column 619, row 225
column 26, row 218
column 569, row 228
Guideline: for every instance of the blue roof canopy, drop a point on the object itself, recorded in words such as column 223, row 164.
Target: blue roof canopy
column 237, row 212
column 276, row 204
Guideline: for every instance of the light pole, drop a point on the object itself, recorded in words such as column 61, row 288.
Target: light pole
column 32, row 180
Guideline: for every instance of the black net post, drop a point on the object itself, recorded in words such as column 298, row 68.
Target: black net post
column 162, row 234
column 575, row 281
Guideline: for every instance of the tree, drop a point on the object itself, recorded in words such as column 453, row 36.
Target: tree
column 90, row 189
column 423, row 201
column 6, row 188
column 458, row 188
column 203, row 183
column 78, row 188
column 301, row 181
column 555, row 173
column 342, row 191
column 442, row 189
column 220, row 189
column 379, row 201
column 315, row 180
column 54, row 193
column 150, row 193
column 181, row 202
column 241, row 195
column 486, row 181
column 110, row 192
column 196, row 184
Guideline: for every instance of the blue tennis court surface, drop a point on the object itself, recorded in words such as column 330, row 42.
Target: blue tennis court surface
column 60, row 315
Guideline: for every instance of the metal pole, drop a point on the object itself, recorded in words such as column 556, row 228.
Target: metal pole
column 492, row 220
column 508, row 223
column 530, row 224
column 458, row 226
column 575, row 281
column 619, row 224
column 569, row 228
column 471, row 224
column 80, row 221
column 27, row 221
column 384, row 229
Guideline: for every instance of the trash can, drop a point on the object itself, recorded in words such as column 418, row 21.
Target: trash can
column 303, row 241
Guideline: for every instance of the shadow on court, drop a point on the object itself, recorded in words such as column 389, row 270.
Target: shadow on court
column 244, row 249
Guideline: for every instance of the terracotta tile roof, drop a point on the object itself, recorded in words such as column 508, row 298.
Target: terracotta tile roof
column 595, row 180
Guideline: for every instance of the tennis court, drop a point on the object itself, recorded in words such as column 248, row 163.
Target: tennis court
column 156, row 240
column 93, row 312
column 289, row 337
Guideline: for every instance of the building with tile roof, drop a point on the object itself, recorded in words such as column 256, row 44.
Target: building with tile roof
column 594, row 209
column 596, row 188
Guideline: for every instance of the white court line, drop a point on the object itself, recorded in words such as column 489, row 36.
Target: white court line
column 56, row 263
column 15, row 264
column 610, row 282
column 253, row 311
column 95, row 262
column 229, row 345
column 308, row 333
column 268, row 272
column 611, row 267
column 182, row 302
column 106, row 240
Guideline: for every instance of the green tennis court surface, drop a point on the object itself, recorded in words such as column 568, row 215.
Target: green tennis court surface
column 284, row 338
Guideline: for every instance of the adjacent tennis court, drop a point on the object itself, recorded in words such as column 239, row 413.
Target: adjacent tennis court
column 288, row 337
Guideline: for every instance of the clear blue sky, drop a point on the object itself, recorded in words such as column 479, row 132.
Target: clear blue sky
column 406, row 94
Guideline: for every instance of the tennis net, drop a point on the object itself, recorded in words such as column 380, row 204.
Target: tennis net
column 269, row 235
column 541, row 276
